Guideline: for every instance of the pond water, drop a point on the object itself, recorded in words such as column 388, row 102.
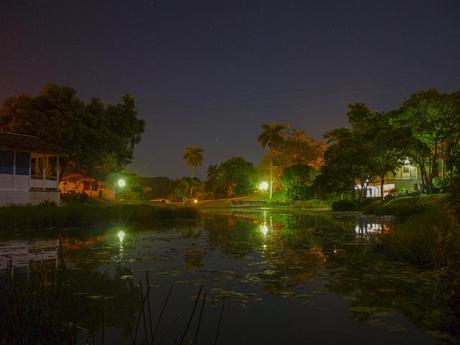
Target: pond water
column 268, row 278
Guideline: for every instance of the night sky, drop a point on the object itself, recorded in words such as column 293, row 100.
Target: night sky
column 210, row 72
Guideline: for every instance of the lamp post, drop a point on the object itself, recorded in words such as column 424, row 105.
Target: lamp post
column 120, row 184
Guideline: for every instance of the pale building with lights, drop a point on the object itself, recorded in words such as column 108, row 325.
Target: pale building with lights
column 406, row 177
column 29, row 170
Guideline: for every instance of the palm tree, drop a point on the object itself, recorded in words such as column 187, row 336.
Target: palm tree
column 193, row 156
column 272, row 135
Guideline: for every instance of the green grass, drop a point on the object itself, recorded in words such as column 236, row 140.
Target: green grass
column 261, row 199
column 90, row 214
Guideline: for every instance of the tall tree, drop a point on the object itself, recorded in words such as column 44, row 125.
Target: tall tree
column 297, row 181
column 100, row 138
column 348, row 162
column 432, row 119
column 385, row 142
column 235, row 176
column 193, row 157
column 272, row 136
column 297, row 148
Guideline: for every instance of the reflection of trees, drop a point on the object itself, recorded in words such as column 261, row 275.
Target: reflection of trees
column 291, row 255
column 291, row 252
column 193, row 258
column 99, row 298
column 378, row 287
column 233, row 236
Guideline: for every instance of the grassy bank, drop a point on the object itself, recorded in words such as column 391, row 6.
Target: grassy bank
column 427, row 235
column 407, row 206
column 89, row 214
column 261, row 201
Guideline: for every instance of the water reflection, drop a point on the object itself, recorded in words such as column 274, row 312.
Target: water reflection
column 267, row 224
column 256, row 262
column 121, row 236
column 27, row 259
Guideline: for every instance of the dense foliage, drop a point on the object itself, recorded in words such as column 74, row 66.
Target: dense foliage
column 297, row 181
column 287, row 148
column 99, row 137
column 233, row 177
column 424, row 131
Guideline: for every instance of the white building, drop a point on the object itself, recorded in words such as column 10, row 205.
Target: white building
column 29, row 170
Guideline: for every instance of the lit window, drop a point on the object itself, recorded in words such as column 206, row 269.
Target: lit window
column 36, row 167
column 51, row 168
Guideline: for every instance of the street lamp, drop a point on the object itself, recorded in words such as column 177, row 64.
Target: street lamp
column 121, row 183
column 263, row 186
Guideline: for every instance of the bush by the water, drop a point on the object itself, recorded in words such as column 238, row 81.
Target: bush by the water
column 430, row 240
column 79, row 215
column 427, row 240
column 345, row 205
column 406, row 206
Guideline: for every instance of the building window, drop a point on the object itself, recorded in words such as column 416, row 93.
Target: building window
column 51, row 168
column 22, row 163
column 6, row 162
column 36, row 167
column 406, row 169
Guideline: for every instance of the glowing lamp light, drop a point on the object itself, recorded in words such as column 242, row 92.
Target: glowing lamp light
column 121, row 183
column 263, row 186
column 264, row 229
column 195, row 201
column 121, row 235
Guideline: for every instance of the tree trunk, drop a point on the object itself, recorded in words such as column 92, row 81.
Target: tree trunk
column 271, row 175
column 382, row 182
column 426, row 182
column 191, row 185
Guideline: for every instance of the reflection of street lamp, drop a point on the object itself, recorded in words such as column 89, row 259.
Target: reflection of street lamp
column 121, row 236
column 263, row 186
column 264, row 229
column 121, row 183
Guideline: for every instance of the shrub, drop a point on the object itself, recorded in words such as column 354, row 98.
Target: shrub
column 427, row 240
column 345, row 205
column 297, row 181
column 406, row 207
column 441, row 184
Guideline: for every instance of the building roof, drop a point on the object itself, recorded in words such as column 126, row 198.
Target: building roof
column 15, row 141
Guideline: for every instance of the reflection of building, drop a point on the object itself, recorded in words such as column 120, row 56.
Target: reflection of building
column 29, row 170
column 368, row 228
column 365, row 229
column 30, row 258
column 79, row 184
